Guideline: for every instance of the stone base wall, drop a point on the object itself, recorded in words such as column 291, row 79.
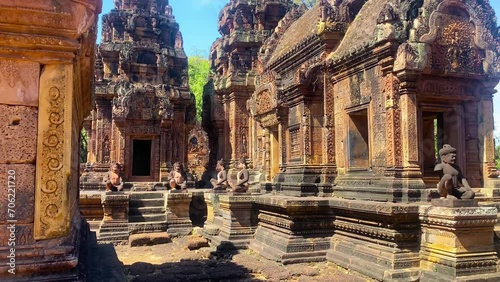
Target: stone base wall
column 369, row 187
column 61, row 259
column 379, row 240
column 293, row 230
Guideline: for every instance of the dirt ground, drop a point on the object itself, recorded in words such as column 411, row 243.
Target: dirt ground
column 175, row 262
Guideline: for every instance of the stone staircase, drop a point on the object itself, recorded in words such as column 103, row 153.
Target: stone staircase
column 115, row 232
column 147, row 212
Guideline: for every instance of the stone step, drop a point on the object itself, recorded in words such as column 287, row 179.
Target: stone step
column 147, row 217
column 146, row 203
column 118, row 233
column 145, row 210
column 112, row 230
column 145, row 195
column 146, row 227
column 114, row 237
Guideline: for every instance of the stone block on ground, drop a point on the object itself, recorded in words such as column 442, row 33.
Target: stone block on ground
column 197, row 242
column 149, row 239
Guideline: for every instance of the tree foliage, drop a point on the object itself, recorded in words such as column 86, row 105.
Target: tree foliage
column 308, row 3
column 198, row 70
column 497, row 152
column 83, row 145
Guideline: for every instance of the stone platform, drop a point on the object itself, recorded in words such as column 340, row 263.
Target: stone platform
column 293, row 230
column 378, row 239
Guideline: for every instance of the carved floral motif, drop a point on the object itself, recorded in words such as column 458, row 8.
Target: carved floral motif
column 52, row 181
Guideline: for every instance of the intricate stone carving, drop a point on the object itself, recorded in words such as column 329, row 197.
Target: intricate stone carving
column 265, row 102
column 51, row 211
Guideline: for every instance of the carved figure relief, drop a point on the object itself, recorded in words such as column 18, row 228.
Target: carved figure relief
column 456, row 51
column 198, row 150
column 106, row 148
column 264, row 102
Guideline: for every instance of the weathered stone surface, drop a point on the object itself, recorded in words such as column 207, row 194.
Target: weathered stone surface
column 149, row 239
column 457, row 243
column 115, row 206
column 18, row 125
column 19, row 82
column 178, row 220
column 22, row 182
column 454, row 203
column 196, row 242
column 46, row 52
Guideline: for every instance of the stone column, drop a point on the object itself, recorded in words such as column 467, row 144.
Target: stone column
column 163, row 155
column 487, row 144
column 45, row 84
column 178, row 221
column 457, row 241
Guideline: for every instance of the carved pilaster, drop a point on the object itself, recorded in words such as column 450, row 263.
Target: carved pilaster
column 409, row 124
column 329, row 125
column 487, row 145
column 267, row 154
column 306, row 135
column 393, row 119
column 52, row 211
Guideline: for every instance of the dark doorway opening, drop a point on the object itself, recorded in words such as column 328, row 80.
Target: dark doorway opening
column 141, row 158
column 432, row 141
column 359, row 147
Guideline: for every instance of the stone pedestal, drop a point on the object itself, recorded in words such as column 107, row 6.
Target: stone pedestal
column 255, row 178
column 293, row 230
column 457, row 242
column 214, row 218
column 178, row 221
column 93, row 175
column 91, row 208
column 114, row 224
column 377, row 239
column 238, row 222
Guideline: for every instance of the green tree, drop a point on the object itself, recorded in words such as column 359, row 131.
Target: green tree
column 497, row 152
column 308, row 3
column 198, row 70
column 83, row 145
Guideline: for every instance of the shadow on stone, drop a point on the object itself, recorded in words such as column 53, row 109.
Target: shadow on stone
column 213, row 269
column 104, row 264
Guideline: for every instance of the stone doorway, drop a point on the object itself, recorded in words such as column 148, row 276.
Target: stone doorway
column 141, row 159
column 432, row 139
column 438, row 126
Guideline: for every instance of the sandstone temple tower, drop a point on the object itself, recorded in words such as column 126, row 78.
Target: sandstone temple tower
column 243, row 26
column 143, row 107
column 349, row 101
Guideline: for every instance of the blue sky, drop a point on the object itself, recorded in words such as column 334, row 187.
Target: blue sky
column 198, row 23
